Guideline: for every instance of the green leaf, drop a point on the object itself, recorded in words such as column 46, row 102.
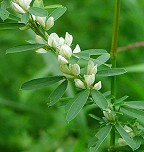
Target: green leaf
column 41, row 82
column 13, row 17
column 99, row 99
column 138, row 141
column 77, row 104
column 102, row 59
column 4, row 14
column 95, row 117
column 139, row 68
column 135, row 104
column 111, row 72
column 125, row 136
column 120, row 101
column 38, row 3
column 57, row 93
column 8, row 26
column 87, row 53
column 23, row 48
column 101, row 135
column 57, row 13
column 38, row 11
column 53, row 6
column 133, row 112
column 25, row 18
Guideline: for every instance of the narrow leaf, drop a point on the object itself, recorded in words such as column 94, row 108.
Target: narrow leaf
column 41, row 82
column 135, row 104
column 57, row 93
column 38, row 11
column 77, row 104
column 95, row 117
column 27, row 47
column 102, row 59
column 57, row 13
column 99, row 99
column 111, row 72
column 8, row 26
column 13, row 17
column 138, row 141
column 53, row 6
column 87, row 53
column 25, row 18
column 133, row 112
column 101, row 135
column 120, row 101
column 125, row 136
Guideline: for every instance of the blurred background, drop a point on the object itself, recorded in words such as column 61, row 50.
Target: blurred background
column 27, row 124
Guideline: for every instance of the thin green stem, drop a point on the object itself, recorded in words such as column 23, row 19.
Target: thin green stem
column 113, row 60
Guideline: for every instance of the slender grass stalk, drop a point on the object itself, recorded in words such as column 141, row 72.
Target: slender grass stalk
column 113, row 60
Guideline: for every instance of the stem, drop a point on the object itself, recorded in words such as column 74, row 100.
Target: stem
column 113, row 60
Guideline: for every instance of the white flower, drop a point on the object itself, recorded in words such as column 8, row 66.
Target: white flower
column 49, row 23
column 61, row 41
column 65, row 69
column 79, row 84
column 65, row 51
column 41, row 21
column 22, row 5
column 91, row 68
column 25, row 4
column 77, row 49
column 75, row 69
column 39, row 40
column 17, row 8
column 41, row 50
column 97, row 86
column 89, row 79
column 53, row 40
column 68, row 39
column 62, row 60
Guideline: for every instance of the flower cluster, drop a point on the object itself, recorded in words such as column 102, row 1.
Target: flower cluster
column 22, row 6
column 62, row 47
column 89, row 78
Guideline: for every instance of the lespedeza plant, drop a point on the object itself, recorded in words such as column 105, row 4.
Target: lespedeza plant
column 34, row 15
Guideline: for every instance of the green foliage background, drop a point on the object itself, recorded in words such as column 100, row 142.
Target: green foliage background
column 26, row 122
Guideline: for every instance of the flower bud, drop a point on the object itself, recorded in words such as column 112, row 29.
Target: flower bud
column 41, row 50
column 75, row 69
column 62, row 60
column 65, row 51
column 97, row 86
column 127, row 129
column 107, row 113
column 79, row 84
column 121, row 142
column 41, row 21
column 77, row 49
column 65, row 69
column 25, row 4
column 39, row 39
column 53, row 40
column 68, row 39
column 89, row 79
column 49, row 23
column 17, row 8
column 91, row 68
